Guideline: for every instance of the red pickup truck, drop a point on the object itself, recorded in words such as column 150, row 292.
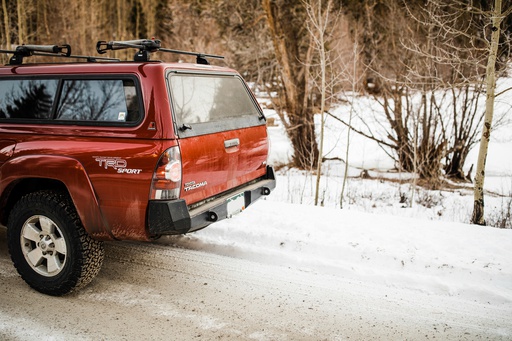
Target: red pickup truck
column 111, row 150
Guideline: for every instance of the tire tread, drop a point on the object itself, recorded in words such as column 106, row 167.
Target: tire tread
column 90, row 252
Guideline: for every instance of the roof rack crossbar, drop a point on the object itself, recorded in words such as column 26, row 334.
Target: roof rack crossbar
column 62, row 51
column 44, row 50
column 141, row 44
column 146, row 46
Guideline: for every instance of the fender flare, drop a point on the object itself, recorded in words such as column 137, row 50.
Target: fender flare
column 72, row 174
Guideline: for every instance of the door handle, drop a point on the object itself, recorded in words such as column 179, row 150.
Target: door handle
column 232, row 143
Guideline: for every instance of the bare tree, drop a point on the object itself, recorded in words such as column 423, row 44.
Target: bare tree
column 497, row 17
column 425, row 69
column 318, row 23
column 395, row 77
column 354, row 78
column 291, row 47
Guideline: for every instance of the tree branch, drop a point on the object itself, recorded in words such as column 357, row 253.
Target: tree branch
column 371, row 137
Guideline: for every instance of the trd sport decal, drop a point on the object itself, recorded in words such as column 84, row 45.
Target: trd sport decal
column 117, row 163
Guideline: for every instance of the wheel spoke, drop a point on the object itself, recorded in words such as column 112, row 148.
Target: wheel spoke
column 53, row 263
column 60, row 246
column 46, row 225
column 31, row 232
column 35, row 257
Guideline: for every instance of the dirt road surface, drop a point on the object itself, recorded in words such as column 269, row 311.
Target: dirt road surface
column 160, row 292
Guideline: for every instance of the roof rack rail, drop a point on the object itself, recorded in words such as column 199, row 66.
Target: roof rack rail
column 63, row 51
column 146, row 46
column 93, row 59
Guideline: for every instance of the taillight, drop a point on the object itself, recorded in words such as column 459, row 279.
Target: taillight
column 269, row 144
column 166, row 183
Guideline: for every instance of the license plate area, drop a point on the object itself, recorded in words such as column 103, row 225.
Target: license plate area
column 236, row 204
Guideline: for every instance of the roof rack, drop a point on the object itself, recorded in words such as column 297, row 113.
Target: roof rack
column 146, row 46
column 63, row 51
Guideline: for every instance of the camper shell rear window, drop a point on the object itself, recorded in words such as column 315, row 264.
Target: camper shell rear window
column 208, row 103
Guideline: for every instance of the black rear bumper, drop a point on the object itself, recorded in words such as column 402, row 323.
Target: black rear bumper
column 174, row 217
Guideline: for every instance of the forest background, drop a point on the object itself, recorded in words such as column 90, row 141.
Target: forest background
column 423, row 61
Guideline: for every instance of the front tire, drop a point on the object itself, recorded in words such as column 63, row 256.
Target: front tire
column 49, row 246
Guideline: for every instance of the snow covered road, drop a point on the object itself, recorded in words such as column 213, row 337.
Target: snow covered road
column 263, row 276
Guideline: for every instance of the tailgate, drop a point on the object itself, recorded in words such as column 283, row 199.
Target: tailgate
column 223, row 136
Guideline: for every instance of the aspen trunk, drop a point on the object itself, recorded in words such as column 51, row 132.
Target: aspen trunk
column 478, row 208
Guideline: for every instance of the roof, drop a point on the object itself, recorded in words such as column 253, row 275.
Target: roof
column 105, row 68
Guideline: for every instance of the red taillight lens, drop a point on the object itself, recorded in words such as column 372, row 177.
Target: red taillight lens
column 166, row 184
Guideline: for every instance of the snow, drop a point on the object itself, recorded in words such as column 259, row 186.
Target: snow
column 378, row 238
column 438, row 258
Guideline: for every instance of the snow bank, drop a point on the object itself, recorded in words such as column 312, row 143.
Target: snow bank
column 441, row 258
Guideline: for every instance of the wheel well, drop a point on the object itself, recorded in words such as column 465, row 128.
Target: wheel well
column 19, row 188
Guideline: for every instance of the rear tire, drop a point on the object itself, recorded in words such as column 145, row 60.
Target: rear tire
column 49, row 246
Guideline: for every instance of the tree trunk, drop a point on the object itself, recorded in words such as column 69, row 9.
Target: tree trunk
column 353, row 80
column 318, row 20
column 6, row 25
column 454, row 166
column 478, row 209
column 286, row 37
column 21, row 25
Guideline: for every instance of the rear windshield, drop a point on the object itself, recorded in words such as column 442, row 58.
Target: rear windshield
column 201, row 102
